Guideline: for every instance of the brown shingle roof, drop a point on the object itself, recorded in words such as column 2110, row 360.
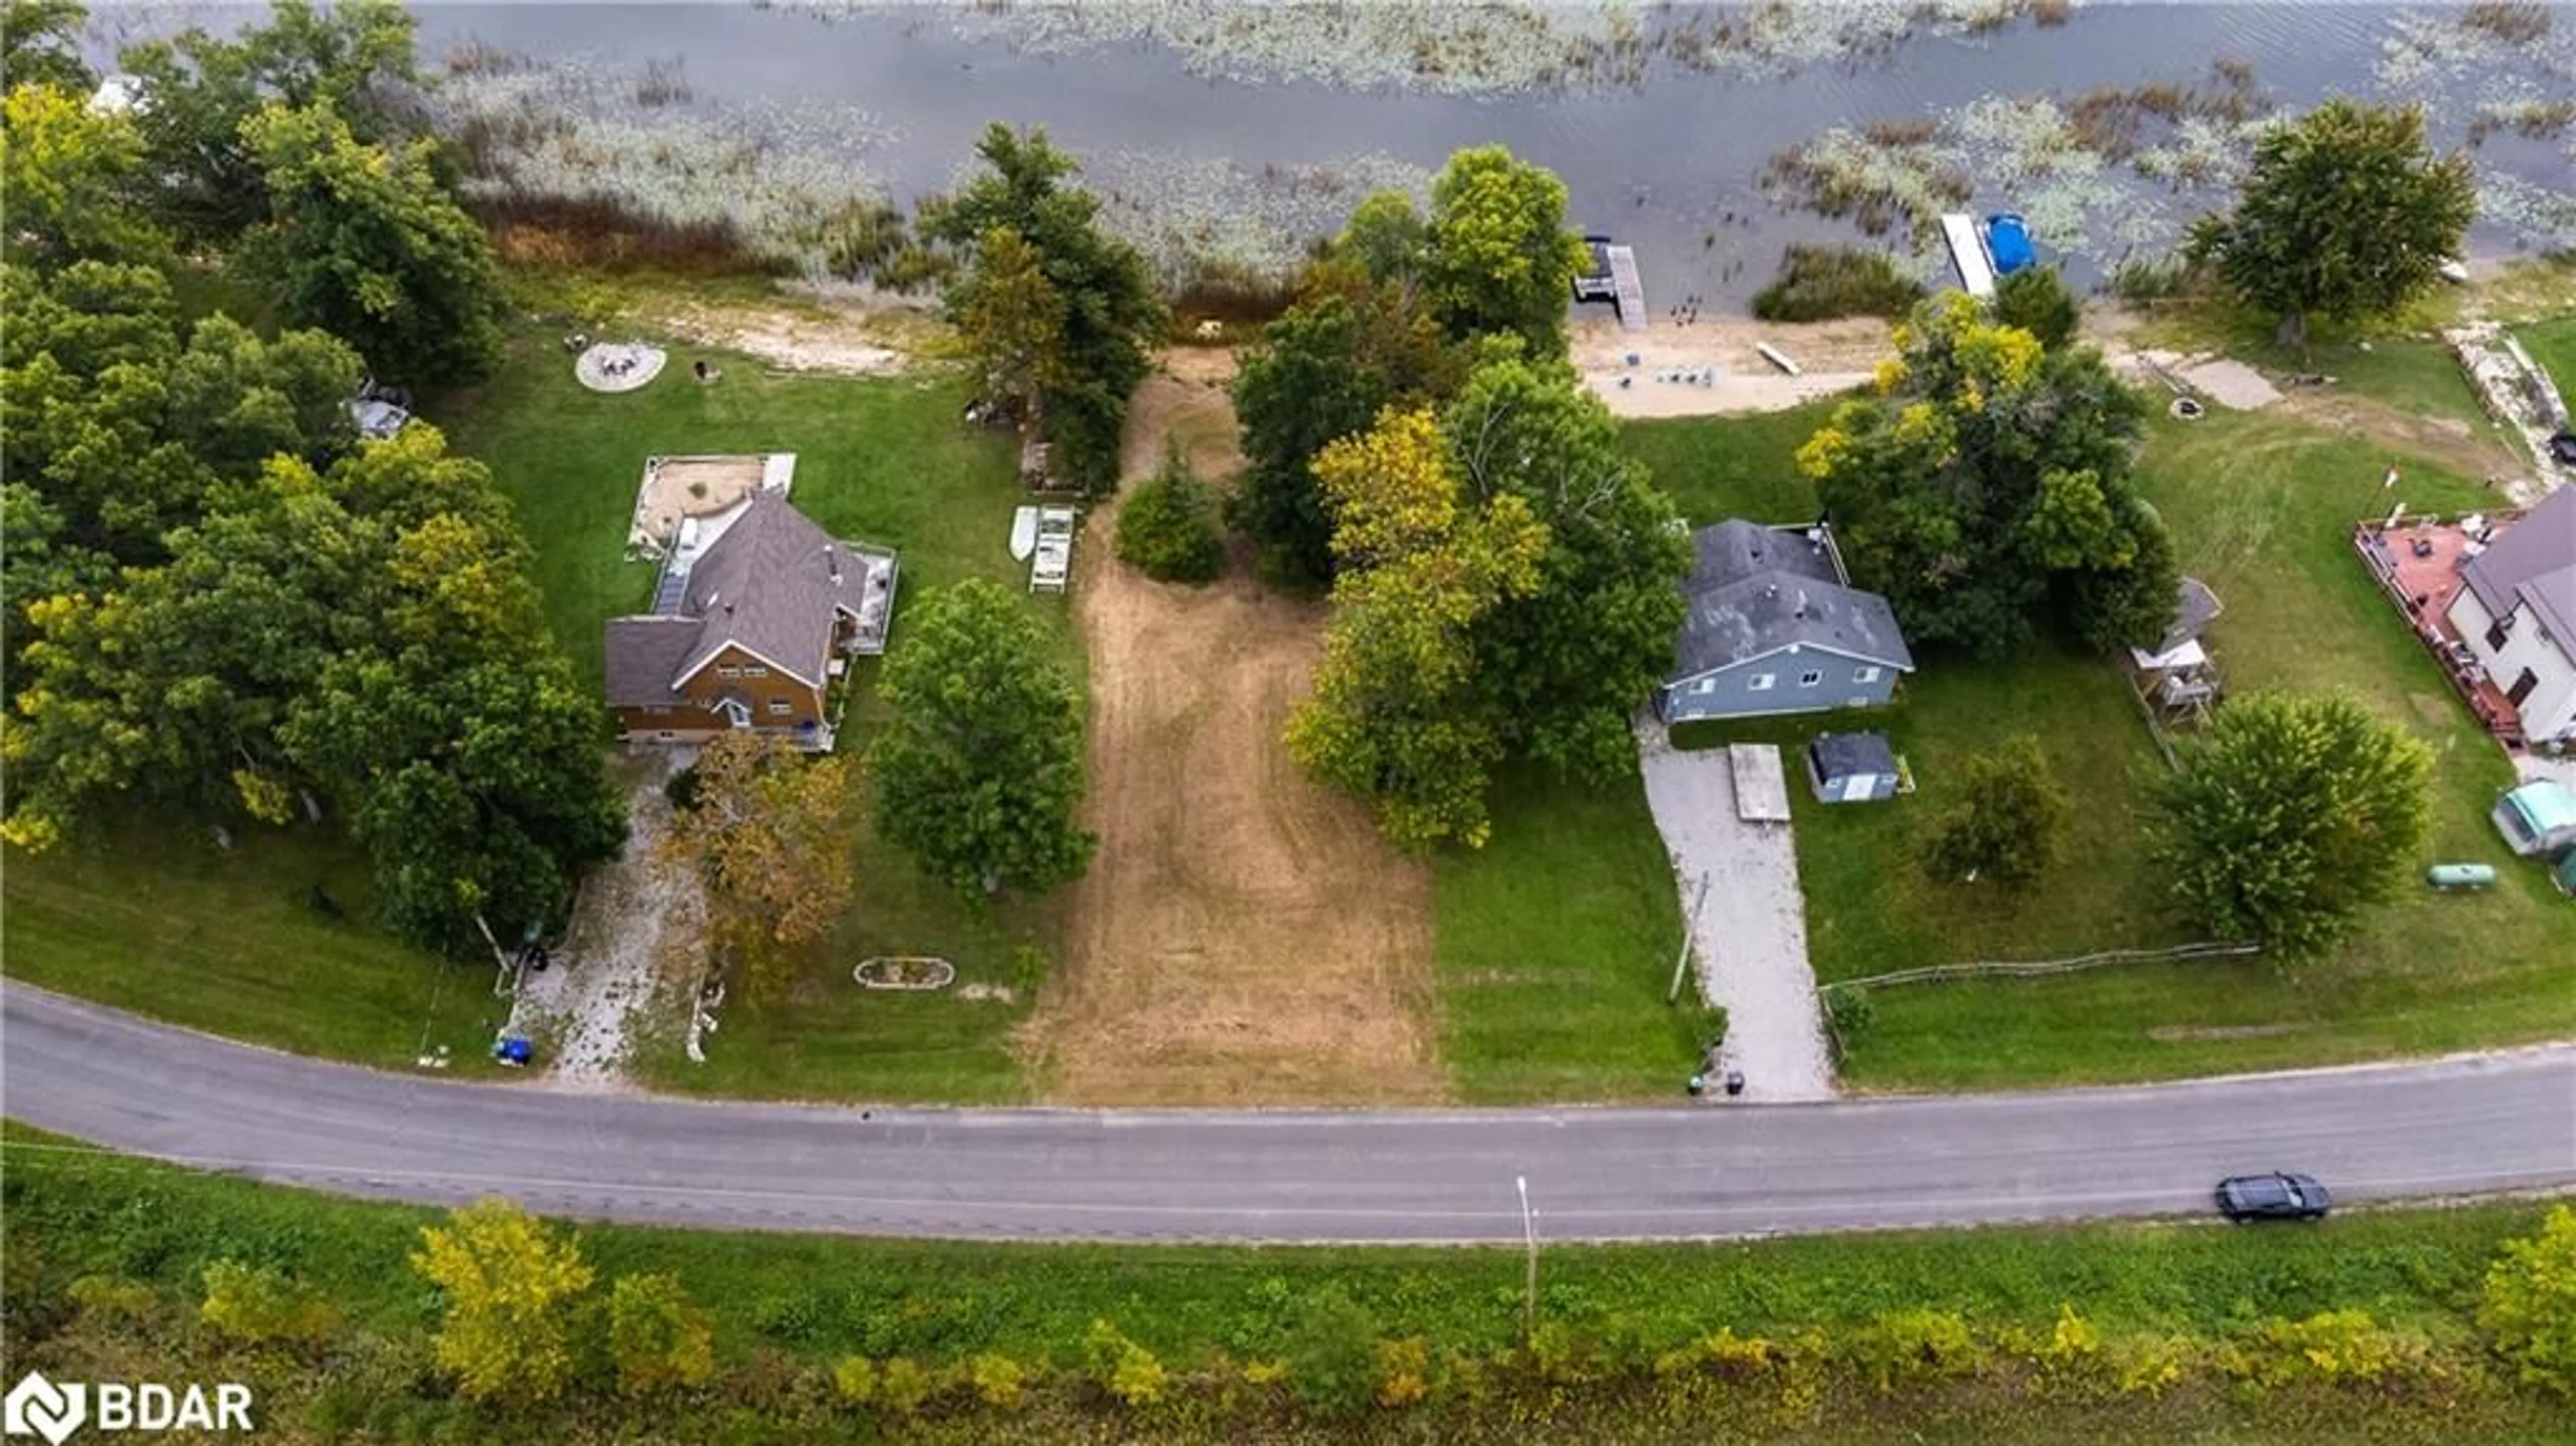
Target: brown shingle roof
column 767, row 586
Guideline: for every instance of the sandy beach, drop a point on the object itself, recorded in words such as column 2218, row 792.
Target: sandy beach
column 1709, row 366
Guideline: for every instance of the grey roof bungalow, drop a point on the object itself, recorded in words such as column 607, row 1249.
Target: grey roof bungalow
column 1775, row 626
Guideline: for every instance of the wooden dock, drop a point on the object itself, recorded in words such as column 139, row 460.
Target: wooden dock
column 1968, row 253
column 1624, row 285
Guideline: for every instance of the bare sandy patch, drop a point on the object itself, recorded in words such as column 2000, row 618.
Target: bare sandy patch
column 2449, row 441
column 1709, row 366
column 824, row 337
column 1243, row 936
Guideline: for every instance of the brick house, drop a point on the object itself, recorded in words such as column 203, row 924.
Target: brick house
column 754, row 612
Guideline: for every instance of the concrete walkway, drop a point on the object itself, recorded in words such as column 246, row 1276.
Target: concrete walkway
column 1751, row 938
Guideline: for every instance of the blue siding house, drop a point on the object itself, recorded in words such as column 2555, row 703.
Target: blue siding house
column 1775, row 626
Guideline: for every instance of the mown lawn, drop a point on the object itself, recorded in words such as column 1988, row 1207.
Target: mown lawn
column 1556, row 945
column 165, row 923
column 882, row 460
column 783, row 1304
column 2261, row 507
column 2553, row 345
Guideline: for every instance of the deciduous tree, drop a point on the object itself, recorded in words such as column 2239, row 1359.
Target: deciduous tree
column 657, row 1337
column 2345, row 214
column 2037, row 300
column 367, row 243
column 1989, row 481
column 1014, row 321
column 1112, row 316
column 2008, row 823
column 1501, row 261
column 1349, row 349
column 2289, row 817
column 770, row 836
column 73, row 177
column 507, row 1281
column 1566, row 664
column 355, row 59
column 979, row 772
column 1396, row 716
column 40, row 45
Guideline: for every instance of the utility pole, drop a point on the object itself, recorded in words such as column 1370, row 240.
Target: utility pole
column 1529, row 1296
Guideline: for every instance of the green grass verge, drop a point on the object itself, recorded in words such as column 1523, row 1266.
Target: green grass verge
column 1556, row 944
column 820, row 1296
column 164, row 923
column 799, row 1302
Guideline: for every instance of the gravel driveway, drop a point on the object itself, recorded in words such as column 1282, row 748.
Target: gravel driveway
column 1751, row 939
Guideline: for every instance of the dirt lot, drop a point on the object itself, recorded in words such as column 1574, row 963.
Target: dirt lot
column 1243, row 935
column 1832, row 356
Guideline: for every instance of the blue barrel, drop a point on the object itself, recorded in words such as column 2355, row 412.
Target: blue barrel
column 2460, row 876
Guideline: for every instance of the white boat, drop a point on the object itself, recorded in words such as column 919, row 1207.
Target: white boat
column 2454, row 271
column 1024, row 533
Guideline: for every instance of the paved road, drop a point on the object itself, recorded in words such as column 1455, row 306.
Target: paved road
column 2485, row 1123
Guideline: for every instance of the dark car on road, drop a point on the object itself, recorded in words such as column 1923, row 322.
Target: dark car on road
column 2271, row 1197
column 2563, row 447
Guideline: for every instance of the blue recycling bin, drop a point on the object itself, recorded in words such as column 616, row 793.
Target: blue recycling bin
column 513, row 1049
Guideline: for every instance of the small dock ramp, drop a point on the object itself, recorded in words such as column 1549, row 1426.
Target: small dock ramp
column 1761, row 789
column 1625, row 288
column 1968, row 253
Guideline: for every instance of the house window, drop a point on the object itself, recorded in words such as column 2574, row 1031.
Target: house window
column 728, row 671
column 1810, row 678
column 1703, row 687
column 755, row 672
column 1758, row 683
column 1864, row 675
column 778, row 709
column 2497, row 632
column 657, row 707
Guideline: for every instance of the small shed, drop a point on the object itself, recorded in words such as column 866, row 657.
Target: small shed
column 1852, row 767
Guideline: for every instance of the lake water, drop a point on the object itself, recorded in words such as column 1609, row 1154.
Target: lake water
column 1671, row 163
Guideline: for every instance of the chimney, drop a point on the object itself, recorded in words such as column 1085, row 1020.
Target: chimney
column 832, row 560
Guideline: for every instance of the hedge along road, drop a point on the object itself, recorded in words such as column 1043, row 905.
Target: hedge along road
column 2456, row 1126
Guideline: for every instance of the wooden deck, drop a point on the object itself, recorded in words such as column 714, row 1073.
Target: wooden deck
column 1968, row 253
column 1630, row 292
